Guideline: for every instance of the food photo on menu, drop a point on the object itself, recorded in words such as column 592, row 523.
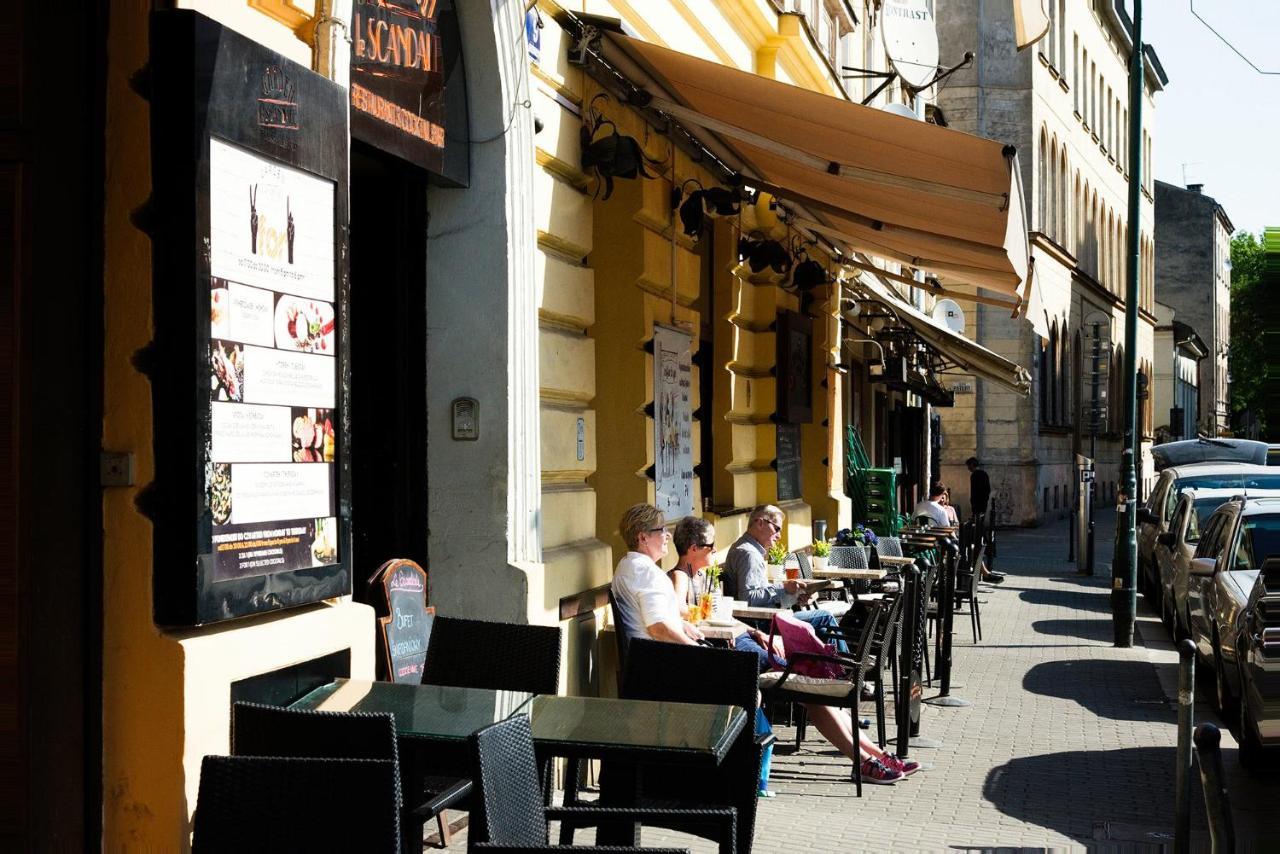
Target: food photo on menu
column 324, row 546
column 226, row 370
column 220, row 493
column 304, row 326
column 313, row 439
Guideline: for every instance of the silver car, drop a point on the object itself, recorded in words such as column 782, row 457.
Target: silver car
column 1154, row 517
column 1175, row 547
column 1235, row 541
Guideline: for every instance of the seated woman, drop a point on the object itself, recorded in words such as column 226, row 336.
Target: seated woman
column 648, row 608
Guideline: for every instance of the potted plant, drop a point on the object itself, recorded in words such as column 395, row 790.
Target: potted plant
column 776, row 556
column 821, row 551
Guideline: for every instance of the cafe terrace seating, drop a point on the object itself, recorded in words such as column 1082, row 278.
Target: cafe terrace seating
column 845, row 692
column 693, row 674
column 268, row 804
column 258, row 730
column 498, row 656
column 510, row 814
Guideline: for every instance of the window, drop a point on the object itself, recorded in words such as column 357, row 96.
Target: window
column 1259, row 538
column 1209, row 539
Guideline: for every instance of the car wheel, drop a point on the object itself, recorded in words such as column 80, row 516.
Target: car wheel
column 1222, row 699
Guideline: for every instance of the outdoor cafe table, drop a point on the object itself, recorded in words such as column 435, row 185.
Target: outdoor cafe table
column 851, row 574
column 894, row 562
column 578, row 727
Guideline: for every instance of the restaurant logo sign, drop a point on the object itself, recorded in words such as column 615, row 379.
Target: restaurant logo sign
column 407, row 94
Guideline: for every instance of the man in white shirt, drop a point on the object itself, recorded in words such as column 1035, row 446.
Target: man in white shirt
column 932, row 507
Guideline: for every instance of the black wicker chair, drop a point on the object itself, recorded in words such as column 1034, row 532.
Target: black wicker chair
column 714, row 676
column 845, row 693
column 258, row 730
column 499, row 657
column 250, row 804
column 509, row 814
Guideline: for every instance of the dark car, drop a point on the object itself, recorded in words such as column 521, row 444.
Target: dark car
column 1155, row 516
column 1258, row 663
column 1206, row 450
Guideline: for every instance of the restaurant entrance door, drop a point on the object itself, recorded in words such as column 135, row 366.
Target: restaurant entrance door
column 388, row 362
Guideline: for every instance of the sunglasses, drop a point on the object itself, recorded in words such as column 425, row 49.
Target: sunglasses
column 658, row 530
column 707, row 545
column 774, row 525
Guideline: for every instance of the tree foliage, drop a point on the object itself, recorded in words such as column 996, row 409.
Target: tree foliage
column 1246, row 360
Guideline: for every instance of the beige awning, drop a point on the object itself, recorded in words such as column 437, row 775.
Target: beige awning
column 938, row 200
column 965, row 354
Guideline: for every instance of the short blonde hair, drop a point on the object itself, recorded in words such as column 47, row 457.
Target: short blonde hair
column 638, row 519
column 766, row 511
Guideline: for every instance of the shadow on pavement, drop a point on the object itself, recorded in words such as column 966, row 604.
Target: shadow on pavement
column 1118, row 690
column 1085, row 600
column 1089, row 629
column 1074, row 793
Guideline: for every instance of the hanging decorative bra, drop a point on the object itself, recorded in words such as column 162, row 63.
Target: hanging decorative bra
column 608, row 154
column 759, row 252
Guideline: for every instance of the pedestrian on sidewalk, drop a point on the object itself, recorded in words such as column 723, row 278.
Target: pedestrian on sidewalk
column 979, row 487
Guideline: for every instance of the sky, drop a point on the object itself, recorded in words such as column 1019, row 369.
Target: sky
column 1218, row 116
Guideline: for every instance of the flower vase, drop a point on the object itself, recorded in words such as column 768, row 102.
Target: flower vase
column 819, row 563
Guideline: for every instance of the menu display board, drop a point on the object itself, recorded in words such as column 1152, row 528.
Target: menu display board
column 672, row 422
column 250, row 286
column 272, row 365
column 405, row 620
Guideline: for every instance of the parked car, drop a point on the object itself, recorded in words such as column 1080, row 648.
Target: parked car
column 1206, row 450
column 1234, row 542
column 1154, row 517
column 1258, row 663
column 1175, row 547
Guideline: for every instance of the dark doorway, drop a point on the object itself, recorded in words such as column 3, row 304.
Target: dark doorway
column 388, row 362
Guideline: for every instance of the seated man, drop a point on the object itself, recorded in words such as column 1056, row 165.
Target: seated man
column 648, row 608
column 746, row 578
column 932, row 507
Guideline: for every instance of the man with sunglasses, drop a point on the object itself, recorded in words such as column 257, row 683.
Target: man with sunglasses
column 746, row 576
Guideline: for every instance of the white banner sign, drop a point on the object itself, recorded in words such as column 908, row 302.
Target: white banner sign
column 672, row 422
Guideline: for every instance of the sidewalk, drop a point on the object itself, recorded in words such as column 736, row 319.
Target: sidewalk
column 1069, row 742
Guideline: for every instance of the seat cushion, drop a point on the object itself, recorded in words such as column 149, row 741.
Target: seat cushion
column 807, row 685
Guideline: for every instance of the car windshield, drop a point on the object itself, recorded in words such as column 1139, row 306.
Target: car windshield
column 1259, row 540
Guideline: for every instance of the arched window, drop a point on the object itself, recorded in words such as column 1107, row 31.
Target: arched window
column 1043, row 196
column 1078, row 218
column 1043, row 377
column 1064, row 201
column 1048, row 416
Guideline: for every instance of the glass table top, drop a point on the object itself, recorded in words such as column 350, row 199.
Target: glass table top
column 568, row 726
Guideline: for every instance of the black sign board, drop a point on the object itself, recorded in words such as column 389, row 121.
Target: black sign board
column 795, row 367
column 405, row 620
column 408, row 92
column 788, row 462
column 248, row 365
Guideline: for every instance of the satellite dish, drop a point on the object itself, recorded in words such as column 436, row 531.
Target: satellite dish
column 901, row 110
column 949, row 313
column 910, row 40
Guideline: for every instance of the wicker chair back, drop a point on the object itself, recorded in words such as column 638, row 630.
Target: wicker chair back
column 251, row 804
column 497, row 656
column 509, row 810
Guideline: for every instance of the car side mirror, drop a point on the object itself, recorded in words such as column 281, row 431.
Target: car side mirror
column 1146, row 517
column 1168, row 539
column 1203, row 566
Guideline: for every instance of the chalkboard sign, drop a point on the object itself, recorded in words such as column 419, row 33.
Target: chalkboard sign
column 405, row 620
column 788, row 462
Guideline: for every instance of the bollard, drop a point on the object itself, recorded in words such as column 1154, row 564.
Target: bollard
column 906, row 652
column 1222, row 833
column 1184, row 758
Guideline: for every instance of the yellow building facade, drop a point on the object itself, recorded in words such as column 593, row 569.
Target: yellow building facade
column 540, row 301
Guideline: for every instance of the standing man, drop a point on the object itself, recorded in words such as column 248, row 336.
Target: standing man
column 979, row 487
column 745, row 576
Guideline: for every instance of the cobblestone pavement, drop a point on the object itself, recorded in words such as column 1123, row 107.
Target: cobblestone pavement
column 1069, row 743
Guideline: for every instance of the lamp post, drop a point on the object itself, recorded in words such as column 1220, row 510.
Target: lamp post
column 1124, row 592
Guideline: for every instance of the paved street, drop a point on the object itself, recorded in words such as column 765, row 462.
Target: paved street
column 1069, row 742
